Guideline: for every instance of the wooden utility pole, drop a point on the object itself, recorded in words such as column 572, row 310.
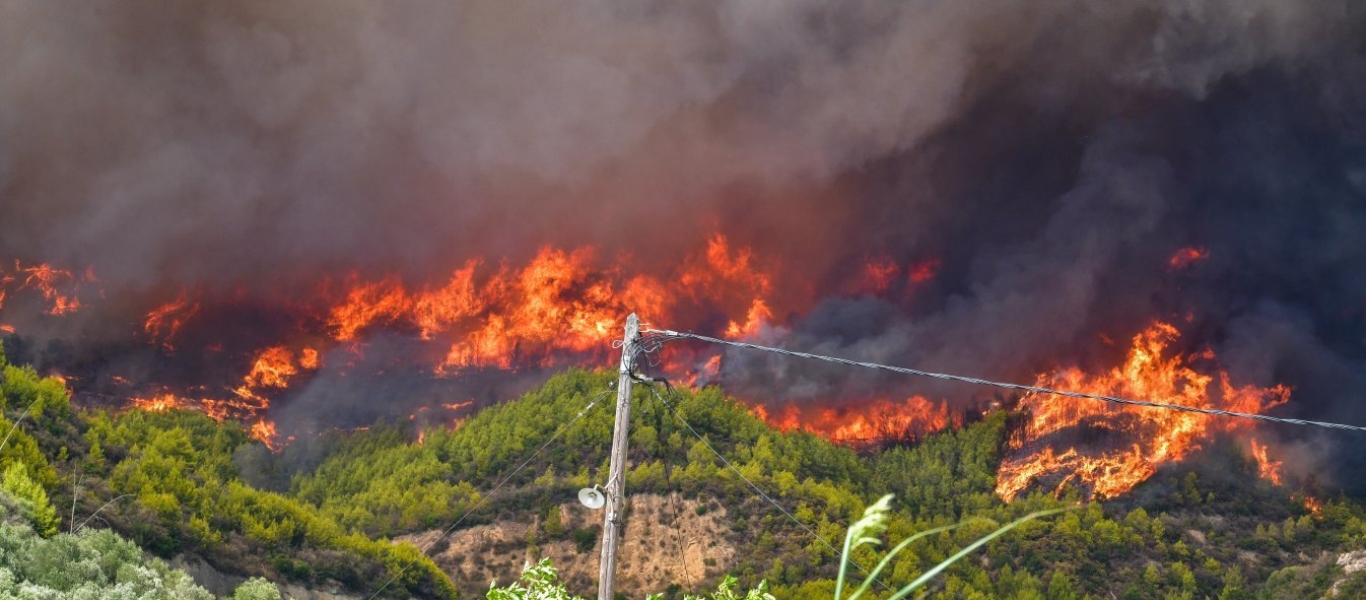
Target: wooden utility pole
column 616, row 480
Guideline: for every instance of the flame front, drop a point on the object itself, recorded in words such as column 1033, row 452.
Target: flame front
column 1139, row 438
column 564, row 306
column 559, row 303
column 863, row 422
column 561, row 306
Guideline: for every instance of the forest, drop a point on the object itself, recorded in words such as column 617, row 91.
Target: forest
column 92, row 487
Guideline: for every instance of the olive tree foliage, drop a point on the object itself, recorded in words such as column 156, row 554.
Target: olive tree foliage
column 541, row 582
column 91, row 564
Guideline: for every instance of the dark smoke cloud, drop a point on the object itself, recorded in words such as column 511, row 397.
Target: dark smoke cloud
column 225, row 141
column 1052, row 154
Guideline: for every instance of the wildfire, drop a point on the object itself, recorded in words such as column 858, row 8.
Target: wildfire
column 759, row 314
column 48, row 280
column 1313, row 505
column 264, row 431
column 164, row 322
column 1267, row 468
column 878, row 275
column 160, row 403
column 272, row 368
column 457, row 406
column 923, row 271
column 566, row 304
column 881, row 274
column 560, row 302
column 309, row 359
column 863, row 422
column 561, row 305
column 59, row 288
column 1141, row 438
column 1186, row 257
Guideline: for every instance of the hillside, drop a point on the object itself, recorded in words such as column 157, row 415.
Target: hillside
column 318, row 514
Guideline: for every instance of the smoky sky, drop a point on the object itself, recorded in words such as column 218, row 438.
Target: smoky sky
column 229, row 141
column 1052, row 155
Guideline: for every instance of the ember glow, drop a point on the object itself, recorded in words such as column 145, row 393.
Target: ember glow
column 1141, row 439
column 1186, row 257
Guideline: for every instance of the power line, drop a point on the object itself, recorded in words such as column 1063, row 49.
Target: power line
column 659, row 337
column 495, row 489
column 756, row 487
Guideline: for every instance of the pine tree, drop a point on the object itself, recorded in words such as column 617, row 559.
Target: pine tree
column 32, row 497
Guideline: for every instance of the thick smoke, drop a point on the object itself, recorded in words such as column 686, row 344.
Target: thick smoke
column 236, row 141
column 1052, row 155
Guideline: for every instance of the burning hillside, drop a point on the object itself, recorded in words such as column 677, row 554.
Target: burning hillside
column 1111, row 448
column 559, row 310
column 313, row 217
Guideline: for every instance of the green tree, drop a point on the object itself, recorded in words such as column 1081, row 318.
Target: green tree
column 32, row 499
column 256, row 588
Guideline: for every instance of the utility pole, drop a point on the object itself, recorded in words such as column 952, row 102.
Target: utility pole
column 616, row 481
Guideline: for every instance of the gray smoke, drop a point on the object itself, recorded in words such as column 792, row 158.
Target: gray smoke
column 1052, row 155
column 239, row 141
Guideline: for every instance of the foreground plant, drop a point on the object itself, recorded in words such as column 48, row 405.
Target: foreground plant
column 874, row 521
column 541, row 582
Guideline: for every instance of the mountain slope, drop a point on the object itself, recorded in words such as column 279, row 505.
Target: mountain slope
column 180, row 483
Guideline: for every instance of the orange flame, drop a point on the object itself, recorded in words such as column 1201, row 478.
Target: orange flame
column 1151, row 437
column 46, row 279
column 863, row 422
column 164, row 322
column 309, row 359
column 58, row 287
column 160, row 403
column 759, row 315
column 559, row 302
column 1314, row 505
column 273, row 368
column 1267, row 468
column 264, row 431
column 382, row 302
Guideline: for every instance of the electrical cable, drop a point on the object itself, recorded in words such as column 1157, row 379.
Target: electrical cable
column 682, row 540
column 495, row 489
column 657, row 337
